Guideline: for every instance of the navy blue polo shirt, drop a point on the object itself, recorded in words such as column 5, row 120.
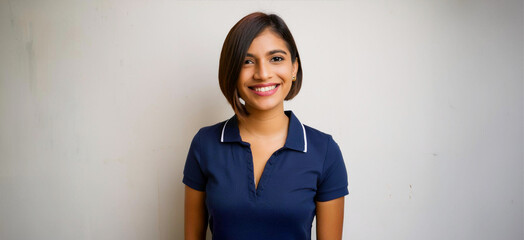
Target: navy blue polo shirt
column 308, row 168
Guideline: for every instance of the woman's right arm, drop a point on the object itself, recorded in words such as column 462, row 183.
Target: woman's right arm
column 195, row 215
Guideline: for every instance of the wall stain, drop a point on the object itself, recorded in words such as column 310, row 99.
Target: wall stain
column 31, row 60
column 11, row 18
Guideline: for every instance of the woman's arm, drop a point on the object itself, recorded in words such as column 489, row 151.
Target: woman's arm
column 330, row 218
column 195, row 215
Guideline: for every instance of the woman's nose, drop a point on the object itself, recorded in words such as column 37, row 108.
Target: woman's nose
column 263, row 71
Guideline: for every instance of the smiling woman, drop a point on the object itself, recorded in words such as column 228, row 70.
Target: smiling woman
column 262, row 174
column 236, row 55
column 266, row 77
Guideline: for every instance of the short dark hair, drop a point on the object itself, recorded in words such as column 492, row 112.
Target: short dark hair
column 235, row 49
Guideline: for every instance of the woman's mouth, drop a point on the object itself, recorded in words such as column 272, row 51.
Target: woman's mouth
column 265, row 90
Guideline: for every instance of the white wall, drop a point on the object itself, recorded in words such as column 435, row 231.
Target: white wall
column 99, row 101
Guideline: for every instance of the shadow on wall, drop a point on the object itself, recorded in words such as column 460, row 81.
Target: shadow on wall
column 202, row 107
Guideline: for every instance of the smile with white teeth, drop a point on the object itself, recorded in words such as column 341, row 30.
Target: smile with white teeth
column 265, row 89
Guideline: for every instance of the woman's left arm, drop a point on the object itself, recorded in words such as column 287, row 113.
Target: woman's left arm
column 330, row 218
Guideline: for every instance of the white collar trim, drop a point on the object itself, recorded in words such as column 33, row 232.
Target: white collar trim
column 305, row 139
column 303, row 131
column 223, row 129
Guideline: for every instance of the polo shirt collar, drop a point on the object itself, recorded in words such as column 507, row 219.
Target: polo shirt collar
column 296, row 135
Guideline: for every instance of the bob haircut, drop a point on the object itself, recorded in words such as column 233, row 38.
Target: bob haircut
column 235, row 49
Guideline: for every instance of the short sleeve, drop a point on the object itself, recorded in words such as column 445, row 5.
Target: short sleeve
column 333, row 181
column 193, row 175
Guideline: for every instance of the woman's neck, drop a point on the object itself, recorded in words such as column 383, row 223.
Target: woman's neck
column 264, row 123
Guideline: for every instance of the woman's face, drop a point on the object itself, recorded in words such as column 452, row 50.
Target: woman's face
column 266, row 76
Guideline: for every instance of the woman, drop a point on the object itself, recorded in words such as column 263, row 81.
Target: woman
column 262, row 174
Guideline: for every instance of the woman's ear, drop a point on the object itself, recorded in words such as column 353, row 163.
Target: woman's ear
column 295, row 67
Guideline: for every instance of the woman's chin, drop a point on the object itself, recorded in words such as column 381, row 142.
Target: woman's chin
column 263, row 107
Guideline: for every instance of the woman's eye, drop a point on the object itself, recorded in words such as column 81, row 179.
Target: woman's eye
column 277, row 59
column 247, row 61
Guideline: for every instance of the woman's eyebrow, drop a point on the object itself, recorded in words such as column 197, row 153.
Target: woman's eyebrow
column 269, row 53
column 277, row 51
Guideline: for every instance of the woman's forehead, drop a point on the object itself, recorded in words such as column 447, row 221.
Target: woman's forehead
column 268, row 41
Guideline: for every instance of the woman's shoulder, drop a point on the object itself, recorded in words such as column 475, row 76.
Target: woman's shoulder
column 318, row 139
column 210, row 131
column 315, row 134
